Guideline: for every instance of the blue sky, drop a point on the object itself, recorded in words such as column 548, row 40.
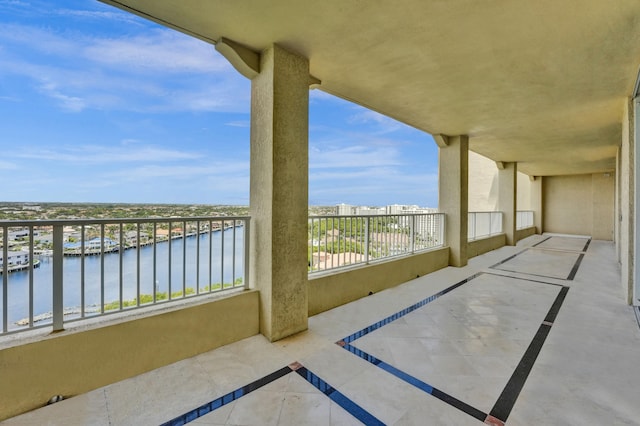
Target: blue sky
column 98, row 105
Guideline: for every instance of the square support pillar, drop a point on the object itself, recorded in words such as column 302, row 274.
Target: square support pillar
column 279, row 191
column 453, row 188
column 537, row 203
column 507, row 193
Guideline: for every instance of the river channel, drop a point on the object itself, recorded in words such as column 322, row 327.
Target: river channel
column 205, row 247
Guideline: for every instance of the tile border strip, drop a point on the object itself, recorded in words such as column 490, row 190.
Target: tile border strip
column 347, row 404
column 339, row 398
column 405, row 311
column 540, row 242
column 507, row 399
column 207, row 408
column 570, row 277
column 636, row 309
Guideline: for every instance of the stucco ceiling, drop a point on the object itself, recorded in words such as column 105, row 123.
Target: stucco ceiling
column 539, row 82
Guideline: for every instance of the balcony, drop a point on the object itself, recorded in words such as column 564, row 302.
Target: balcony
column 85, row 269
column 531, row 334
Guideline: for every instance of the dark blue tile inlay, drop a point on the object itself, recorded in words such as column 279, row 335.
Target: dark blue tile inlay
column 226, row 399
column 509, row 258
column 540, row 242
column 348, row 405
column 586, row 246
column 443, row 396
column 381, row 323
column 574, row 270
column 511, row 391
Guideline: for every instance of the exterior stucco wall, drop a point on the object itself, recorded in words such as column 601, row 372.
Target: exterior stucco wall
column 567, row 207
column 580, row 204
column 521, row 234
column 603, row 194
column 73, row 362
column 331, row 290
column 478, row 247
column 626, row 203
column 483, row 184
column 523, row 197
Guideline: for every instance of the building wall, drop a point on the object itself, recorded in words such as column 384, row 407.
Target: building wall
column 484, row 245
column 523, row 197
column 580, row 204
column 483, row 184
column 626, row 202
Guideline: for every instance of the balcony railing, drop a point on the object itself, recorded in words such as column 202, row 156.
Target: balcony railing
column 484, row 224
column 524, row 219
column 56, row 271
column 340, row 241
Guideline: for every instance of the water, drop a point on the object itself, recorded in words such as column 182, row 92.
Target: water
column 227, row 272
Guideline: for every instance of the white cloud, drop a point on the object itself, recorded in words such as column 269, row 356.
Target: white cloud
column 71, row 103
column 160, row 71
column 239, row 123
column 359, row 156
column 94, row 154
column 219, row 172
column 158, row 51
column 6, row 165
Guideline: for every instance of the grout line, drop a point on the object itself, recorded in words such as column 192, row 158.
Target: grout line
column 529, row 273
column 523, row 279
column 637, row 312
column 400, row 314
column 106, row 401
column 561, row 250
column 503, row 406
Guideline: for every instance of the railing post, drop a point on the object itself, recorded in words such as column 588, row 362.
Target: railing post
column 58, row 274
column 5, row 278
column 412, row 233
column 366, row 239
column 247, row 251
column 490, row 224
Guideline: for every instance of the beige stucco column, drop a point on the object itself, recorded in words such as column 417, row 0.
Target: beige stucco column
column 453, row 183
column 537, row 203
column 279, row 191
column 507, row 192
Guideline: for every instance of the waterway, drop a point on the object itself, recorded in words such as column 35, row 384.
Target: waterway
column 212, row 268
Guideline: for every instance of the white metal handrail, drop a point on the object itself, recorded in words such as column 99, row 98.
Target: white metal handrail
column 86, row 268
column 340, row 241
column 484, row 224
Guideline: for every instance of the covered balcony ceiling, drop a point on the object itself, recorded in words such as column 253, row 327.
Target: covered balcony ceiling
column 542, row 83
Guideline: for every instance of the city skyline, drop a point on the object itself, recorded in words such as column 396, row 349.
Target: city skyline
column 101, row 106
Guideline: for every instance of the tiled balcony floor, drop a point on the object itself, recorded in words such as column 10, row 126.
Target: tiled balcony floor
column 537, row 334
